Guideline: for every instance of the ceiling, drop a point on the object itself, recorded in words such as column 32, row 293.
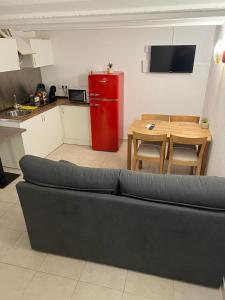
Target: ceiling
column 70, row 14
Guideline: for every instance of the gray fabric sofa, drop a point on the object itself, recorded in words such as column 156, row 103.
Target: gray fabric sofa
column 171, row 226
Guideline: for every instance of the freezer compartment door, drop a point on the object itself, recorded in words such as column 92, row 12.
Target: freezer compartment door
column 105, row 125
column 104, row 86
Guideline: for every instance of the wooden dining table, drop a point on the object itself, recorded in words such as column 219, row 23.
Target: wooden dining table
column 184, row 129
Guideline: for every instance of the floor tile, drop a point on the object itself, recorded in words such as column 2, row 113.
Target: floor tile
column 4, row 206
column 104, row 275
column 115, row 163
column 49, row 287
column 22, row 255
column 13, row 281
column 23, row 241
column 127, row 296
column 13, row 219
column 86, row 291
column 73, row 148
column 8, row 238
column 149, row 286
column 63, row 266
column 186, row 291
column 9, row 194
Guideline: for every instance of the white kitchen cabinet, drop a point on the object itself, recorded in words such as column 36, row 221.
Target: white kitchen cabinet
column 11, row 151
column 76, row 124
column 9, row 60
column 52, row 129
column 43, row 52
column 32, row 137
column 43, row 133
column 47, row 131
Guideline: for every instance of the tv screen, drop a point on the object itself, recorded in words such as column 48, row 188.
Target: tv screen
column 172, row 59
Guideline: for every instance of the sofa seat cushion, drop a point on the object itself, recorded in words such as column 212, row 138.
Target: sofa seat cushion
column 195, row 191
column 66, row 175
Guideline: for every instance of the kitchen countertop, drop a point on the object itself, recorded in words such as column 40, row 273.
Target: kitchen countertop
column 6, row 132
column 39, row 110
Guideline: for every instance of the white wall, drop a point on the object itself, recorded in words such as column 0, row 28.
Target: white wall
column 214, row 109
column 78, row 52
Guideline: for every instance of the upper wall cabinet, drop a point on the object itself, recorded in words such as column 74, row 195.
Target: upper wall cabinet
column 9, row 59
column 43, row 52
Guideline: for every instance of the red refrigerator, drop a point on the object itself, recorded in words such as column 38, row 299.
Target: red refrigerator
column 106, row 94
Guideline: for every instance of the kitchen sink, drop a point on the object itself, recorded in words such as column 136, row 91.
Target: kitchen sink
column 18, row 112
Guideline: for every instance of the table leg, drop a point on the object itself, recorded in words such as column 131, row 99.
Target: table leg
column 205, row 159
column 129, row 149
column 2, row 174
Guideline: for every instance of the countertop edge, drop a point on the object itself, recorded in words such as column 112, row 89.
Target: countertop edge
column 40, row 110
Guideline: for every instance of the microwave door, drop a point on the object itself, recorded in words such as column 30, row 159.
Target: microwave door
column 77, row 95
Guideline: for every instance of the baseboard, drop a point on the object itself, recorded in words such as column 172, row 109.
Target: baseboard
column 81, row 142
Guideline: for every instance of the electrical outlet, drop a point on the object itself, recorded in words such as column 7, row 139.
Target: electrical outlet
column 147, row 49
column 145, row 66
column 62, row 86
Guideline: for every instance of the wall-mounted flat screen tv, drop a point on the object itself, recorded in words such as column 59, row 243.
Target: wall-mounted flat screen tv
column 172, row 59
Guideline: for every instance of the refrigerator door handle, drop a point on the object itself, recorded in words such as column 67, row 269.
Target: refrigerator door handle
column 103, row 99
column 94, row 104
column 94, row 95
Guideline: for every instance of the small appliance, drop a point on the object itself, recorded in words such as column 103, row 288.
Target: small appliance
column 52, row 97
column 77, row 95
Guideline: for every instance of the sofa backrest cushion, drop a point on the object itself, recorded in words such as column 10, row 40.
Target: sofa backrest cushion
column 66, row 175
column 196, row 191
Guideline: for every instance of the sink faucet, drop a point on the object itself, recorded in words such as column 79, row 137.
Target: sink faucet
column 16, row 105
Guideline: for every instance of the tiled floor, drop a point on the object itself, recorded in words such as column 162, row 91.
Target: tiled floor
column 29, row 275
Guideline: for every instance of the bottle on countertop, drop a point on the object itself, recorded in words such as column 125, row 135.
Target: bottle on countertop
column 41, row 94
column 52, row 97
column 36, row 100
column 31, row 99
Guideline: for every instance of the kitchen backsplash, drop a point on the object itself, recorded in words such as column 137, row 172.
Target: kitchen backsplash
column 21, row 82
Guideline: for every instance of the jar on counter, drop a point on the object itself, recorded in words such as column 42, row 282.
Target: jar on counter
column 36, row 101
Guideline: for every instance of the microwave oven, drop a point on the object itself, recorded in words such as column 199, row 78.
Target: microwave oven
column 77, row 95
